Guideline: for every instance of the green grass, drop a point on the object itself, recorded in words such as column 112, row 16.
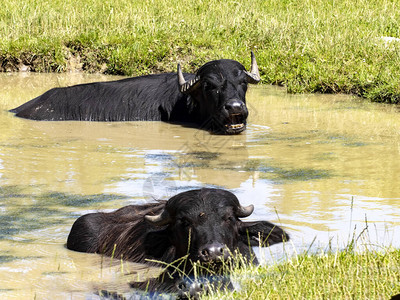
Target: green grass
column 334, row 275
column 307, row 45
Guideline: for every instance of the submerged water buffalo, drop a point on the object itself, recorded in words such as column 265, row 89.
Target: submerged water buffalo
column 213, row 98
column 203, row 225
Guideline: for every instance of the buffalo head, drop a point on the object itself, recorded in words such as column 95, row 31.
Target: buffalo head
column 218, row 91
column 206, row 225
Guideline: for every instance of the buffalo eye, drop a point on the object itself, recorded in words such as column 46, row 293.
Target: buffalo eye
column 208, row 86
column 243, row 85
column 183, row 222
column 230, row 219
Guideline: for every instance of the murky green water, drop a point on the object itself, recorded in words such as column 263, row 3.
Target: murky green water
column 324, row 167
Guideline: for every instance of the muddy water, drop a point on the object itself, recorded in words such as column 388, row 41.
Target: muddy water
column 324, row 167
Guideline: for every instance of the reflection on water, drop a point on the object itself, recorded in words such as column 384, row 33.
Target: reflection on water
column 324, row 167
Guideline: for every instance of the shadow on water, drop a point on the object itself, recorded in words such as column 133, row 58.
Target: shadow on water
column 66, row 199
column 45, row 210
column 10, row 258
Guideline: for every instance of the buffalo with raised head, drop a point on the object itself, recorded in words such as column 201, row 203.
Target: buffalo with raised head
column 213, row 98
column 202, row 226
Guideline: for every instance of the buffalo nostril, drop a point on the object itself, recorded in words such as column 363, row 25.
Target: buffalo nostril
column 182, row 286
column 213, row 252
column 206, row 254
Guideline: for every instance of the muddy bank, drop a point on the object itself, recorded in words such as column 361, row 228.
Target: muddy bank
column 70, row 60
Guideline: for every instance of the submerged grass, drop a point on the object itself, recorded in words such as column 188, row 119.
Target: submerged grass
column 361, row 270
column 308, row 45
column 334, row 275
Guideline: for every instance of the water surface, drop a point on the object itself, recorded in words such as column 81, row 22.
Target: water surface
column 323, row 167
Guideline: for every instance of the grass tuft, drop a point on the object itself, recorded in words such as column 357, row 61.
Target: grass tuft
column 334, row 275
column 307, row 46
column 359, row 271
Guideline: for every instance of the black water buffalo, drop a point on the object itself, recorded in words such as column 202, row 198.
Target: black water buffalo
column 213, row 98
column 201, row 225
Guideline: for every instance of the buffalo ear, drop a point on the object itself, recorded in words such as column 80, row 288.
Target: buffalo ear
column 156, row 243
column 262, row 233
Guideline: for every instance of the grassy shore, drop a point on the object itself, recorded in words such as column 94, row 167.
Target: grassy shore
column 334, row 275
column 307, row 45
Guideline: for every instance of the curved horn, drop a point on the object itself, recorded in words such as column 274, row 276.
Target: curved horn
column 159, row 220
column 244, row 211
column 181, row 79
column 186, row 86
column 254, row 75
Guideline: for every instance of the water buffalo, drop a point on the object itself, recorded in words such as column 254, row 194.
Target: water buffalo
column 203, row 225
column 213, row 98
